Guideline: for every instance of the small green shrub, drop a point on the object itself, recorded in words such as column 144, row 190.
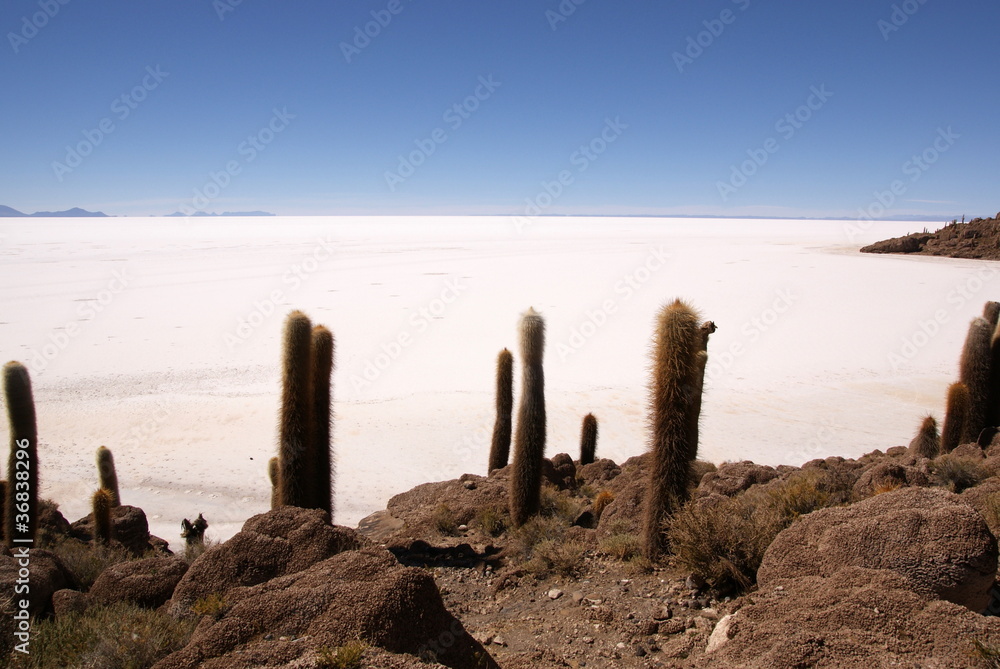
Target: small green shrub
column 621, row 546
column 444, row 520
column 803, row 492
column 209, row 605
column 493, row 520
column 347, row 656
column 957, row 473
column 120, row 636
column 555, row 504
column 538, row 529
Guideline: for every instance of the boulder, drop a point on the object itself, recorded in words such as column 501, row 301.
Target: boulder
column 599, row 472
column 68, row 601
column 735, row 477
column 129, row 528
column 279, row 542
column 930, row 536
column 47, row 574
column 465, row 497
column 147, row 583
column 855, row 619
column 356, row 594
column 888, row 476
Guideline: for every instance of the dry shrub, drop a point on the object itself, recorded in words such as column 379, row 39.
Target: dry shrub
column 493, row 520
column 620, row 546
column 555, row 504
column 120, row 636
column 958, row 473
column 347, row 656
column 555, row 556
column 988, row 653
column 444, row 520
column 210, row 605
column 86, row 561
column 601, row 502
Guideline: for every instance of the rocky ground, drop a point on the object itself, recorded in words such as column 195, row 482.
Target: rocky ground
column 977, row 239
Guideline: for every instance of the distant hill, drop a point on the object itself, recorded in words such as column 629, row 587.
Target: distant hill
column 225, row 213
column 977, row 239
column 75, row 212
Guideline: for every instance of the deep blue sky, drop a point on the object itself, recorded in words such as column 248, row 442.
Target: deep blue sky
column 558, row 87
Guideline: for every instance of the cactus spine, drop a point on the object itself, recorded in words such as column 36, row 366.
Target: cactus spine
column 297, row 427
column 955, row 415
column 102, row 501
column 529, row 438
column 500, row 446
column 675, row 397
column 322, row 464
column 927, row 443
column 21, row 508
column 974, row 372
column 107, row 474
column 588, row 439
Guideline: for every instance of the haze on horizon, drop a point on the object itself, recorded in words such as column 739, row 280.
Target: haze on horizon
column 729, row 107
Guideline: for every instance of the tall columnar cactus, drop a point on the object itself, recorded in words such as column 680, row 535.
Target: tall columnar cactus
column 274, row 475
column 529, row 438
column 320, row 456
column 297, row 425
column 955, row 415
column 588, row 439
column 107, row 474
column 673, row 402
column 102, row 502
column 500, row 445
column 974, row 372
column 993, row 395
column 927, row 443
column 991, row 312
column 21, row 509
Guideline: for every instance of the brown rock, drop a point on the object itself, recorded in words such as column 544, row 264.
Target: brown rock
column 129, row 528
column 886, row 476
column 67, row 601
column 355, row 594
column 599, row 473
column 147, row 583
column 47, row 575
column 939, row 543
column 734, row 477
column 272, row 544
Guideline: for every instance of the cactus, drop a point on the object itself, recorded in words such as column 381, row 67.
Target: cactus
column 974, row 372
column 273, row 473
column 297, row 427
column 955, row 415
column 321, row 477
column 21, row 508
column 588, row 439
column 991, row 312
column 927, row 443
column 102, row 501
column 993, row 395
column 674, row 400
column 500, row 446
column 529, row 438
column 107, row 474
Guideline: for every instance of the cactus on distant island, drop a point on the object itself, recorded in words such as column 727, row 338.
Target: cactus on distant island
column 21, row 508
column 529, row 438
column 320, row 457
column 955, row 415
column 102, row 502
column 974, row 372
column 675, row 397
column 296, row 426
column 500, row 444
column 927, row 443
column 274, row 474
column 107, row 474
column 588, row 439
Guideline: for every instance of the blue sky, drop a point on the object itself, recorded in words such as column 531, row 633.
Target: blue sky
column 682, row 107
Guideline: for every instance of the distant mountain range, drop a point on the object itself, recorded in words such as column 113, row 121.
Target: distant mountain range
column 225, row 213
column 75, row 212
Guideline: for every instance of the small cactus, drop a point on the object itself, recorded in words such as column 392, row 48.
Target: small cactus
column 927, row 443
column 194, row 533
column 273, row 473
column 320, row 455
column 500, row 445
column 103, row 501
column 297, row 426
column 675, row 397
column 955, row 415
column 529, row 438
column 107, row 474
column 588, row 439
column 21, row 508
